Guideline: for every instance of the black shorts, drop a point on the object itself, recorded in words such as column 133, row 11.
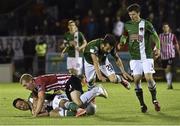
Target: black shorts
column 169, row 62
column 73, row 83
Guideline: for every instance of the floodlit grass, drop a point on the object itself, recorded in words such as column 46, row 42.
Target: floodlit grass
column 121, row 108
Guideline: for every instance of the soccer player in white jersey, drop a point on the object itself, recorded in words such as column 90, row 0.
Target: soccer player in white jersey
column 169, row 46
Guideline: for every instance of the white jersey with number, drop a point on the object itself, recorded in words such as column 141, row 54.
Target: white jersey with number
column 106, row 69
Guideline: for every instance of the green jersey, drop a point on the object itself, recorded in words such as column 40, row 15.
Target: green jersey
column 68, row 37
column 140, row 37
column 93, row 47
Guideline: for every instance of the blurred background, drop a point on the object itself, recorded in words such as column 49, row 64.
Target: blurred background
column 24, row 23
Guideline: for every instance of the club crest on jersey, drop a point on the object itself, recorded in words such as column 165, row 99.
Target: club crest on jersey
column 141, row 29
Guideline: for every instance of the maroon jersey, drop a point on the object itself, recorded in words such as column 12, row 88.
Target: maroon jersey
column 168, row 42
column 51, row 82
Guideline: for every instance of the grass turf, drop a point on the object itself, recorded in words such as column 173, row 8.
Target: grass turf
column 121, row 108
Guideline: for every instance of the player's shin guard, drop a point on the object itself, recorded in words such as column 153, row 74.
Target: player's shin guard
column 139, row 94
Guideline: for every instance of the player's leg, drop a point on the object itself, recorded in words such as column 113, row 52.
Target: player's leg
column 168, row 73
column 136, row 67
column 71, row 65
column 78, row 66
column 109, row 72
column 90, row 74
column 148, row 67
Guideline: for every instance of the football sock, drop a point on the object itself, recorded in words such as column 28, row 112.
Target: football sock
column 139, row 94
column 118, row 79
column 88, row 96
column 91, row 85
column 169, row 78
column 152, row 89
column 153, row 94
column 71, row 106
column 71, row 113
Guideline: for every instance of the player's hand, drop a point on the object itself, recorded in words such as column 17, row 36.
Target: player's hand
column 127, row 76
column 61, row 55
column 73, row 43
column 77, row 48
column 156, row 53
column 102, row 78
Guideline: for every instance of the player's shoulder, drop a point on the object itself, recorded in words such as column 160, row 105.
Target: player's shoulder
column 128, row 22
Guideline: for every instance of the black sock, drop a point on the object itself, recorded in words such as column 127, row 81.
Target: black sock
column 153, row 93
column 139, row 94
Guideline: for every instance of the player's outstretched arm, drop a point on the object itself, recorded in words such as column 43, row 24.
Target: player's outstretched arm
column 40, row 101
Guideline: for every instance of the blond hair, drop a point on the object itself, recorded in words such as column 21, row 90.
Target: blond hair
column 26, row 77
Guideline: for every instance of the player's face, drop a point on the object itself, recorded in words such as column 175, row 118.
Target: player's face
column 166, row 28
column 135, row 16
column 28, row 84
column 72, row 27
column 22, row 105
column 106, row 48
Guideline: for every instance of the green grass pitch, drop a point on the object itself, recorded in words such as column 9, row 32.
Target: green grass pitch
column 121, row 108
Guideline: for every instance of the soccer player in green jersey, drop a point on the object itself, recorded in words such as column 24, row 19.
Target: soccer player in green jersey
column 74, row 44
column 139, row 34
column 96, row 62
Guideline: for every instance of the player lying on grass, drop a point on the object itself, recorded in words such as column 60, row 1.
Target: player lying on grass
column 68, row 83
column 58, row 106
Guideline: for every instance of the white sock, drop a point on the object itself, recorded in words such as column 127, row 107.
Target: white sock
column 169, row 78
column 118, row 78
column 88, row 96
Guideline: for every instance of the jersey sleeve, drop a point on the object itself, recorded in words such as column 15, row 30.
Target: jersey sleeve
column 40, row 86
column 124, row 37
column 82, row 38
column 93, row 49
column 153, row 34
column 175, row 40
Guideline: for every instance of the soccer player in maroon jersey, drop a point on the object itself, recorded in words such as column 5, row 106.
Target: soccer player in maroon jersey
column 68, row 83
column 169, row 46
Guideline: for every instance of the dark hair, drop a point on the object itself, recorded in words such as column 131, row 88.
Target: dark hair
column 71, row 21
column 16, row 100
column 110, row 39
column 134, row 7
column 165, row 23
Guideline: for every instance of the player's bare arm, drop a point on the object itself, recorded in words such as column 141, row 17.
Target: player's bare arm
column 82, row 46
column 96, row 67
column 121, row 67
column 40, row 101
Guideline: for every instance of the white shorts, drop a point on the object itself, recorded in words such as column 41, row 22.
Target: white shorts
column 142, row 66
column 75, row 63
column 55, row 104
column 90, row 72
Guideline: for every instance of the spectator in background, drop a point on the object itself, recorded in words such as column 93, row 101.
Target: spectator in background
column 41, row 50
column 9, row 53
column 74, row 44
column 29, row 53
column 2, row 53
column 169, row 46
column 118, row 27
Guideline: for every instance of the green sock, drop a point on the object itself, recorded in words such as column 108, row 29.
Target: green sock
column 71, row 106
column 71, row 113
column 139, row 94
